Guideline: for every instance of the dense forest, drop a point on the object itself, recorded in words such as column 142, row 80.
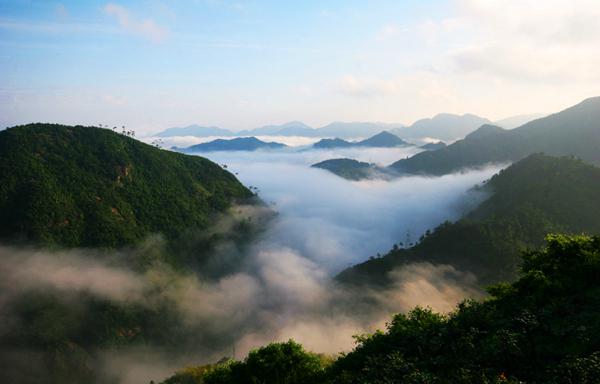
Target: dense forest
column 543, row 328
column 83, row 186
column 535, row 196
column 66, row 187
column 75, row 198
column 351, row 169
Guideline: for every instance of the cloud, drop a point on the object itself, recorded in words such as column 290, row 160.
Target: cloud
column 388, row 31
column 282, row 285
column 552, row 41
column 366, row 87
column 146, row 28
column 334, row 222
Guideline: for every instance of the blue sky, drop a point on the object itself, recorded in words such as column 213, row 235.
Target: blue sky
column 239, row 64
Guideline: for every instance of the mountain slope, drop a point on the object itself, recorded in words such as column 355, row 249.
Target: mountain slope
column 543, row 328
column 433, row 146
column 85, row 186
column 350, row 169
column 517, row 121
column 350, row 130
column 237, row 144
column 383, row 139
column 574, row 131
column 444, row 126
column 332, row 143
column 531, row 198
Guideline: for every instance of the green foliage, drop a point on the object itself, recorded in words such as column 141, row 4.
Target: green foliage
column 536, row 196
column 84, row 186
column 276, row 363
column 350, row 169
column 544, row 328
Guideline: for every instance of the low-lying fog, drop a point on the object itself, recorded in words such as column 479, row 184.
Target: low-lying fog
column 325, row 223
column 335, row 222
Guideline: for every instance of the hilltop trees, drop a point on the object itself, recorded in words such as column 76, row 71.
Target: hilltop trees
column 543, row 328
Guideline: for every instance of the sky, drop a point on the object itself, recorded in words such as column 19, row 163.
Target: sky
column 153, row 64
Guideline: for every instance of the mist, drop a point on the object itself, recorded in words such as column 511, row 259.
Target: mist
column 335, row 222
column 315, row 224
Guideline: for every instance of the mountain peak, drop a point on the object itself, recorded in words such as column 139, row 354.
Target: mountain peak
column 485, row 130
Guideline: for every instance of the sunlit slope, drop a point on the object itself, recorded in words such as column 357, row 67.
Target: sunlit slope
column 85, row 186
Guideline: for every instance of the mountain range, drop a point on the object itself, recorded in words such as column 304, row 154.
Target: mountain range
column 443, row 126
column 574, row 131
column 344, row 130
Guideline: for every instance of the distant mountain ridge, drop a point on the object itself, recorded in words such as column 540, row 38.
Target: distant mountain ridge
column 443, row 126
column 573, row 131
column 194, row 130
column 344, row 130
column 516, row 121
column 383, row 139
column 236, row 144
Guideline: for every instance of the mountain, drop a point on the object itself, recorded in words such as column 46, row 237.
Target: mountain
column 516, row 121
column 83, row 186
column 237, row 144
column 433, row 146
column 293, row 128
column 351, row 130
column 533, row 197
column 444, row 126
column 195, row 130
column 383, row 140
column 543, row 328
column 332, row 143
column 574, row 131
column 350, row 169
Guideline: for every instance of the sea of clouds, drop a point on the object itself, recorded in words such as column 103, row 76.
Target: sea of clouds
column 285, row 289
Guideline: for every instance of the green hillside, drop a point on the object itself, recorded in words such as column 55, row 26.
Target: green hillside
column 574, row 131
column 350, row 169
column 538, row 195
column 542, row 329
column 86, row 186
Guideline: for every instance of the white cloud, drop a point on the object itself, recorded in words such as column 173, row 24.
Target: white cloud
column 387, row 32
column 550, row 41
column 146, row 27
column 366, row 86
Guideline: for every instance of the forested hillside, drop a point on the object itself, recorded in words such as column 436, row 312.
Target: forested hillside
column 85, row 186
column 543, row 328
column 538, row 195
